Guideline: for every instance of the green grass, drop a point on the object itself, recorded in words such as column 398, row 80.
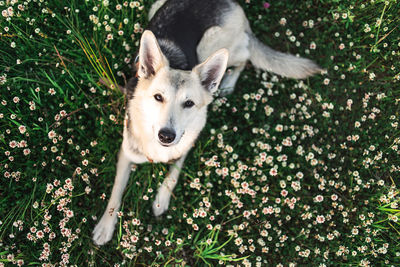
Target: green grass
column 331, row 141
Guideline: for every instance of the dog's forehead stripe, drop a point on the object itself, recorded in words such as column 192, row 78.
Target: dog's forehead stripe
column 178, row 79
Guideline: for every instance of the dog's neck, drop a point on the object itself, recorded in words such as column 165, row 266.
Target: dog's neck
column 176, row 57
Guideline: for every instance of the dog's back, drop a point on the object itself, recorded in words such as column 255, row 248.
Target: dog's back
column 189, row 31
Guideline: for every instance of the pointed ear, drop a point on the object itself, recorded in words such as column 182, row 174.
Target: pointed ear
column 151, row 59
column 212, row 70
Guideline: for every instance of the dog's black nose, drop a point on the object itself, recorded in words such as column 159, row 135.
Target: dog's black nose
column 166, row 135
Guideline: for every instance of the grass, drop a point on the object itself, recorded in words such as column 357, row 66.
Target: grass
column 285, row 173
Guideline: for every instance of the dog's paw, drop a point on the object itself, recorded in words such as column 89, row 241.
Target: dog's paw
column 161, row 203
column 103, row 231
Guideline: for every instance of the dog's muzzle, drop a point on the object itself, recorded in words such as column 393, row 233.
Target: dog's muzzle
column 166, row 136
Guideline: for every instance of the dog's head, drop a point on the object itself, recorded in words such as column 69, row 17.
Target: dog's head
column 168, row 107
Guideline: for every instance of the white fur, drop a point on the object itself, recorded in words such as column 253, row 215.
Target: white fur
column 215, row 63
column 149, row 116
column 230, row 35
column 155, row 7
column 151, row 59
column 103, row 231
column 235, row 35
column 161, row 202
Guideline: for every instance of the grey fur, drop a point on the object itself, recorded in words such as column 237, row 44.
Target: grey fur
column 177, row 79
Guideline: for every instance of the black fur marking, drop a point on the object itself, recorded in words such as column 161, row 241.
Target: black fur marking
column 209, row 81
column 184, row 22
column 148, row 65
column 172, row 51
column 128, row 123
column 178, row 79
column 130, row 87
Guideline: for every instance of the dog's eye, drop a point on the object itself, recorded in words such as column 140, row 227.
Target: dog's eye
column 188, row 104
column 158, row 97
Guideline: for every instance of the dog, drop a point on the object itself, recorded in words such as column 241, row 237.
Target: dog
column 182, row 59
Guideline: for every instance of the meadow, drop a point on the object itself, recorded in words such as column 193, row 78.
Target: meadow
column 286, row 173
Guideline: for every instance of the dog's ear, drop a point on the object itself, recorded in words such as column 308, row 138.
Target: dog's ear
column 212, row 70
column 151, row 59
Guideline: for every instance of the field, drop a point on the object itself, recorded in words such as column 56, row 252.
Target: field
column 286, row 173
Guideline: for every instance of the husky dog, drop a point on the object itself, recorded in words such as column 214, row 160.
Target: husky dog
column 181, row 61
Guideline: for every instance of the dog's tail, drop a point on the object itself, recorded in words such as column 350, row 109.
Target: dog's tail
column 264, row 57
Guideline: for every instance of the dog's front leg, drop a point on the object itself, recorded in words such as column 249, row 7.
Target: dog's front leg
column 161, row 203
column 103, row 231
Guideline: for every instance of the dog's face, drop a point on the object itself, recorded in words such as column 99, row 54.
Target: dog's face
column 171, row 103
column 169, row 106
